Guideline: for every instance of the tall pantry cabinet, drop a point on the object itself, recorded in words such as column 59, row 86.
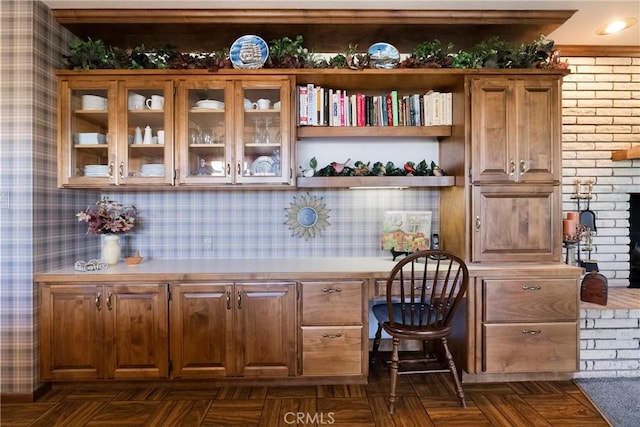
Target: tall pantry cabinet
column 515, row 168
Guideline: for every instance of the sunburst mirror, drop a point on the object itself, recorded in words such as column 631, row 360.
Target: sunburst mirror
column 307, row 216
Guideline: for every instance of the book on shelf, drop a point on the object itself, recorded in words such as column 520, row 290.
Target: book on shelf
column 320, row 106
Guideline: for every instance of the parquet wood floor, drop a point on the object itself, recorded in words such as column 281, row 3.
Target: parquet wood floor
column 426, row 400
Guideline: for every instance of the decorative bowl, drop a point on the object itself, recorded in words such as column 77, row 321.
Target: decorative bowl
column 133, row 260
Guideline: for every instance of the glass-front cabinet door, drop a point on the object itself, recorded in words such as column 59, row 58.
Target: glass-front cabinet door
column 262, row 131
column 145, row 132
column 86, row 133
column 204, row 132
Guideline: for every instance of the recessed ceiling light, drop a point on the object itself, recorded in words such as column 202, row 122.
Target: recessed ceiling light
column 615, row 26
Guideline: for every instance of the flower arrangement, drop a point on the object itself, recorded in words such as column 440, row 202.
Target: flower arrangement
column 108, row 217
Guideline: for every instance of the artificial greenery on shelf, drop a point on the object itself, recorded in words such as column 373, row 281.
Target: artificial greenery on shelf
column 289, row 52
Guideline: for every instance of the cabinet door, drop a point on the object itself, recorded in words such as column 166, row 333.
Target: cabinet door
column 539, row 130
column 265, row 329
column 71, row 334
column 262, row 131
column 87, row 132
column 204, row 131
column 201, row 330
column 493, row 116
column 516, row 223
column 145, row 107
column 136, row 338
column 515, row 129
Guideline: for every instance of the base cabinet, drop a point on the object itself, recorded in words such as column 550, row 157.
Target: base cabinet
column 233, row 329
column 528, row 324
column 103, row 332
column 334, row 340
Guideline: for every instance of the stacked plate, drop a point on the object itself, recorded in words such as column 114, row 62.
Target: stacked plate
column 89, row 138
column 96, row 170
column 94, row 102
column 152, row 169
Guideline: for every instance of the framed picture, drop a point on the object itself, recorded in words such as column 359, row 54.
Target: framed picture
column 406, row 231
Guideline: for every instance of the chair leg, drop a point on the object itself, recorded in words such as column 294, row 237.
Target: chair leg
column 376, row 345
column 393, row 373
column 454, row 372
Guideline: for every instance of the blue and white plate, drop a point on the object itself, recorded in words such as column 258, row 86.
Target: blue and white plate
column 384, row 55
column 249, row 52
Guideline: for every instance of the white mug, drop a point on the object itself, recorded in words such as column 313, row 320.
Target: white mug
column 156, row 102
column 136, row 101
column 160, row 137
column 248, row 105
column 263, row 104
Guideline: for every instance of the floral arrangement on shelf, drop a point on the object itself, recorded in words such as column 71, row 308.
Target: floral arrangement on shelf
column 108, row 217
column 360, row 168
column 289, row 52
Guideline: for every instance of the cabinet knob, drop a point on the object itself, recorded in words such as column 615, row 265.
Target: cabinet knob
column 512, row 167
column 522, row 168
column 478, row 223
column 239, row 300
column 121, row 170
column 110, row 170
column 228, row 300
column 98, row 301
column 326, row 335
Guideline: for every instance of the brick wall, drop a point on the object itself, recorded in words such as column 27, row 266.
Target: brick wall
column 601, row 114
column 609, row 343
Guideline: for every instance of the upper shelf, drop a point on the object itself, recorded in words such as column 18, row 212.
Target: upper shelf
column 372, row 131
column 323, row 30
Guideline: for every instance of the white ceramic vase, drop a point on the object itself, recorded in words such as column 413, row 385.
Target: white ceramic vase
column 111, row 249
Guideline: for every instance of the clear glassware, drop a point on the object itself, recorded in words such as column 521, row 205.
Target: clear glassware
column 266, row 134
column 257, row 133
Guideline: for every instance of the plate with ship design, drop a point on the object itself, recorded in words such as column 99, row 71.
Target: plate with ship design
column 249, row 52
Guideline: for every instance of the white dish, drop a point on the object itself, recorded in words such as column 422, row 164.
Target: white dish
column 249, row 52
column 263, row 165
column 210, row 104
column 90, row 138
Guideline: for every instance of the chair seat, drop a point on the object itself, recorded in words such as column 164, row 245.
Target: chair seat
column 381, row 313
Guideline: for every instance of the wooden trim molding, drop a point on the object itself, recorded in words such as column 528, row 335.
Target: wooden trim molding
column 599, row 51
column 309, row 16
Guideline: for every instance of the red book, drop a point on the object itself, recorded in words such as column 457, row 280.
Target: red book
column 389, row 112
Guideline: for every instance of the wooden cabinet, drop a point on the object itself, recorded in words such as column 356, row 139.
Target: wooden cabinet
column 515, row 147
column 102, row 124
column 529, row 325
column 516, row 223
column 105, row 118
column 233, row 329
column 334, row 340
column 516, row 129
column 103, row 331
column 239, row 141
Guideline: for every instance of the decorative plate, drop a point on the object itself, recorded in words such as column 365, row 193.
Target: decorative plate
column 384, row 55
column 263, row 165
column 249, row 52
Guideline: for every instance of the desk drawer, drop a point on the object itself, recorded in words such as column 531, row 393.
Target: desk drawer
column 332, row 350
column 534, row 300
column 528, row 347
column 332, row 303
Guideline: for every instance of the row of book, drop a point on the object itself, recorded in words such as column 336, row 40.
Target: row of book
column 319, row 106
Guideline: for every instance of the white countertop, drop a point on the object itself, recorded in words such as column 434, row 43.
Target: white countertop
column 276, row 269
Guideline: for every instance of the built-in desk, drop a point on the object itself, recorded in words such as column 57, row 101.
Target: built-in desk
column 320, row 304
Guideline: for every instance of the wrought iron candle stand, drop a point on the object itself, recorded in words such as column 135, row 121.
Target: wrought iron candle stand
column 585, row 231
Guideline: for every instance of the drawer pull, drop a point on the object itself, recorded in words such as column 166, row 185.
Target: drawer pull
column 326, row 335
column 109, row 305
column 531, row 288
column 331, row 290
column 98, row 303
column 531, row 331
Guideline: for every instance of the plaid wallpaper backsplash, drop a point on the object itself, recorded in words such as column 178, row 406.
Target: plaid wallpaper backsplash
column 250, row 224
